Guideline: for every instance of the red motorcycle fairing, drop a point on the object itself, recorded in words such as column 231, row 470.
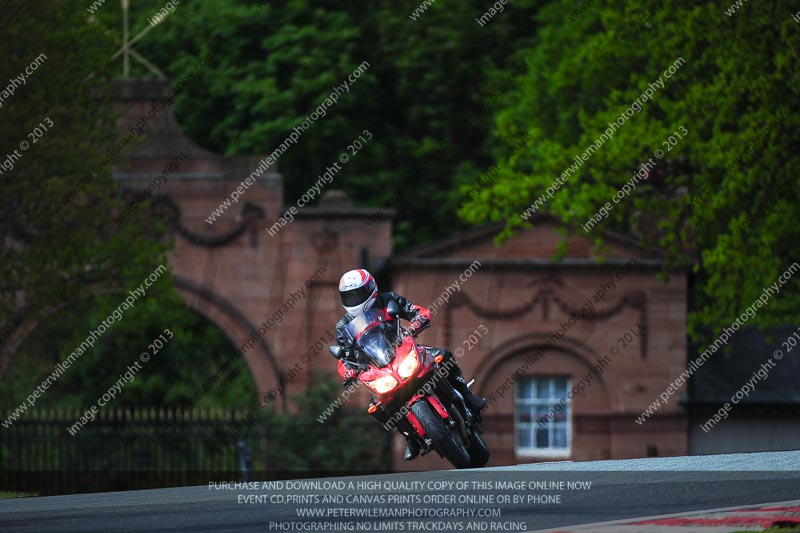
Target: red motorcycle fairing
column 399, row 377
column 408, row 348
column 438, row 406
column 415, row 423
column 435, row 403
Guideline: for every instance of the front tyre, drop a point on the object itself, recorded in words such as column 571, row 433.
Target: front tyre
column 444, row 440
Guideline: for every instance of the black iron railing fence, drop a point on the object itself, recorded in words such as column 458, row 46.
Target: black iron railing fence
column 134, row 449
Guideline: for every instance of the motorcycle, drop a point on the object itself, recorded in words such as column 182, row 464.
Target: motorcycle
column 409, row 381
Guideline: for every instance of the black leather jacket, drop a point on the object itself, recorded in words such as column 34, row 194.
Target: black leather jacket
column 419, row 317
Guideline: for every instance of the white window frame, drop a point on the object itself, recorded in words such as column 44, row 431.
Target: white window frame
column 542, row 452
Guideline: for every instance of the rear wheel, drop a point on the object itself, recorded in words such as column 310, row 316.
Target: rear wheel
column 478, row 451
column 444, row 439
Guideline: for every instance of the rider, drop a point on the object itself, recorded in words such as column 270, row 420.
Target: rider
column 359, row 292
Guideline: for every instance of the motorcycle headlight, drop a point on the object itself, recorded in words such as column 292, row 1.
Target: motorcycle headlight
column 383, row 384
column 409, row 365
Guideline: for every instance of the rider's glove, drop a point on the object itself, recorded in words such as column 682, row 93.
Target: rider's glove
column 404, row 332
column 415, row 326
column 350, row 373
column 350, row 376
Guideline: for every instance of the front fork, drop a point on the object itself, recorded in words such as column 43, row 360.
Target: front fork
column 462, row 420
column 453, row 419
column 453, row 397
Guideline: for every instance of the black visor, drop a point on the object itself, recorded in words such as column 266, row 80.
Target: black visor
column 358, row 296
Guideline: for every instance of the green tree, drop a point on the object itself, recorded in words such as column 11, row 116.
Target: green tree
column 170, row 378
column 423, row 95
column 346, row 441
column 725, row 197
column 59, row 247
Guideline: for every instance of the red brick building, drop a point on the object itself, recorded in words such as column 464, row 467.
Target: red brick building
column 277, row 295
column 547, row 325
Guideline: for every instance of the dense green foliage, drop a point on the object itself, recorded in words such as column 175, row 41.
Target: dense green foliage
column 724, row 197
column 170, row 378
column 347, row 441
column 445, row 99
column 58, row 247
column 65, row 265
column 423, row 95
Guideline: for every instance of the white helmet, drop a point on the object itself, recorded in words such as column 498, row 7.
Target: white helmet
column 358, row 291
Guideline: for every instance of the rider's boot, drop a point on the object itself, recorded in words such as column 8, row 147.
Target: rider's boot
column 412, row 448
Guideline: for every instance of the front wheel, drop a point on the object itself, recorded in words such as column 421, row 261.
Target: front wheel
column 444, row 439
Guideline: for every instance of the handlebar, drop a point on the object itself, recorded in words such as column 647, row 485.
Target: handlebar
column 401, row 336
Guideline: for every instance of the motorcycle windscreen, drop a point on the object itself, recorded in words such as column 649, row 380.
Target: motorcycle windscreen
column 377, row 345
column 363, row 321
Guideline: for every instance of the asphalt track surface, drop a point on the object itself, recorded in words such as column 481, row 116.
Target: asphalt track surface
column 619, row 489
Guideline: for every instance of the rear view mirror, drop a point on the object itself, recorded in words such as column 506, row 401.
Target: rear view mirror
column 392, row 310
column 336, row 351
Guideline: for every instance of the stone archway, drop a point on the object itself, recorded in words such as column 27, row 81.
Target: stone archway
column 503, row 368
column 519, row 347
column 236, row 327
